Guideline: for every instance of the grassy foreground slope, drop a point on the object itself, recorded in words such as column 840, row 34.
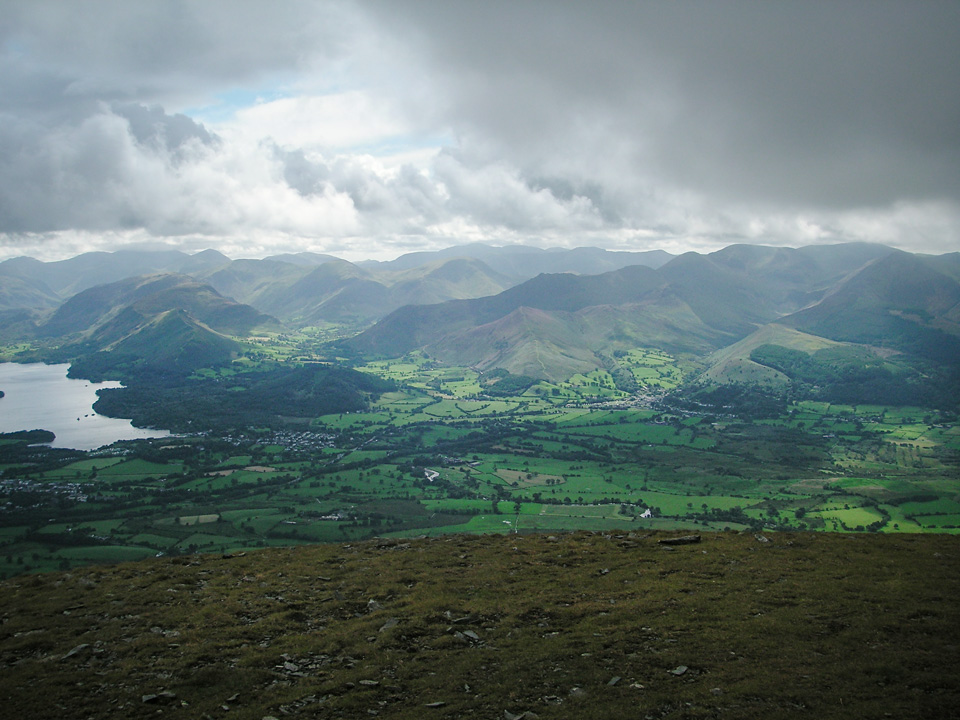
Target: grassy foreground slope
column 582, row 625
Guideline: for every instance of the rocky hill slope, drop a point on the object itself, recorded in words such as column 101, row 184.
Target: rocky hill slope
column 573, row 626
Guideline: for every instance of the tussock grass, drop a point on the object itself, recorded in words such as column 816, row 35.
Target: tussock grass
column 594, row 625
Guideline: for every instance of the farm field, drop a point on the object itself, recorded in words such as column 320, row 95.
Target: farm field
column 437, row 456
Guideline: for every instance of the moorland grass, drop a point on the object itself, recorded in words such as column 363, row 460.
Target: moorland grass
column 578, row 625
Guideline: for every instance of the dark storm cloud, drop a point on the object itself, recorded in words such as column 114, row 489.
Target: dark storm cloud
column 827, row 104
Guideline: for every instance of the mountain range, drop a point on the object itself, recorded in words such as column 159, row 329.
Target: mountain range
column 308, row 288
column 694, row 304
column 168, row 306
column 489, row 307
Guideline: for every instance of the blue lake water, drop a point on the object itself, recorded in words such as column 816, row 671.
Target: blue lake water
column 42, row 397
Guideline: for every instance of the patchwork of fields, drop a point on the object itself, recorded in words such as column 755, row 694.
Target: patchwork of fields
column 440, row 456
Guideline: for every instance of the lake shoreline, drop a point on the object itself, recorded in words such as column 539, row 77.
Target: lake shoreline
column 42, row 396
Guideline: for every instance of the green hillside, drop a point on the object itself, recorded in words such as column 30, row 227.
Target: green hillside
column 109, row 312
column 727, row 303
column 117, row 330
column 24, row 293
column 174, row 340
column 899, row 302
column 163, row 395
column 412, row 327
column 525, row 342
column 733, row 363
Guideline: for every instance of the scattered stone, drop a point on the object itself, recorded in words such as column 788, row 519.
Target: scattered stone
column 716, row 691
column 290, row 667
column 679, row 670
column 369, row 683
column 471, row 635
column 438, row 704
column 373, row 606
column 578, row 692
column 614, row 680
column 76, row 651
column 683, row 540
column 161, row 697
column 392, row 622
column 762, row 538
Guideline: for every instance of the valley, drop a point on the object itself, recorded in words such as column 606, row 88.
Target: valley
column 753, row 389
column 436, row 455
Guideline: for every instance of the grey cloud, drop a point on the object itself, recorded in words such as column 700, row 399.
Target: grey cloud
column 304, row 176
column 408, row 200
column 153, row 127
column 92, row 172
column 689, row 121
column 564, row 189
column 789, row 103
column 153, row 50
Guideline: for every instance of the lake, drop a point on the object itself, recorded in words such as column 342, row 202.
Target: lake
column 42, row 397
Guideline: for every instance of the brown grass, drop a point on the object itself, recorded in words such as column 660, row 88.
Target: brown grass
column 818, row 625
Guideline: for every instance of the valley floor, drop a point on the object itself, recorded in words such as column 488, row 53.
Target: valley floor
column 437, row 456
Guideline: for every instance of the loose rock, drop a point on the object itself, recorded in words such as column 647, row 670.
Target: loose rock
column 76, row 651
column 684, row 540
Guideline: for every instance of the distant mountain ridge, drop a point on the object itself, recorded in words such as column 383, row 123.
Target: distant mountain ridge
column 522, row 261
column 729, row 310
column 694, row 303
column 306, row 288
column 68, row 277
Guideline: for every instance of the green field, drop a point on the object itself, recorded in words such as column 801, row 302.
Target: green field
column 436, row 457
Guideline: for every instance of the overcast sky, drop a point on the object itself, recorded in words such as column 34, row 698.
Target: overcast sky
column 372, row 128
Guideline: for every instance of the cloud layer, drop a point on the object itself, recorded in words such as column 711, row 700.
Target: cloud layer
column 371, row 128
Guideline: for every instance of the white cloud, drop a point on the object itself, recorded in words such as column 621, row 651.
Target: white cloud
column 348, row 120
